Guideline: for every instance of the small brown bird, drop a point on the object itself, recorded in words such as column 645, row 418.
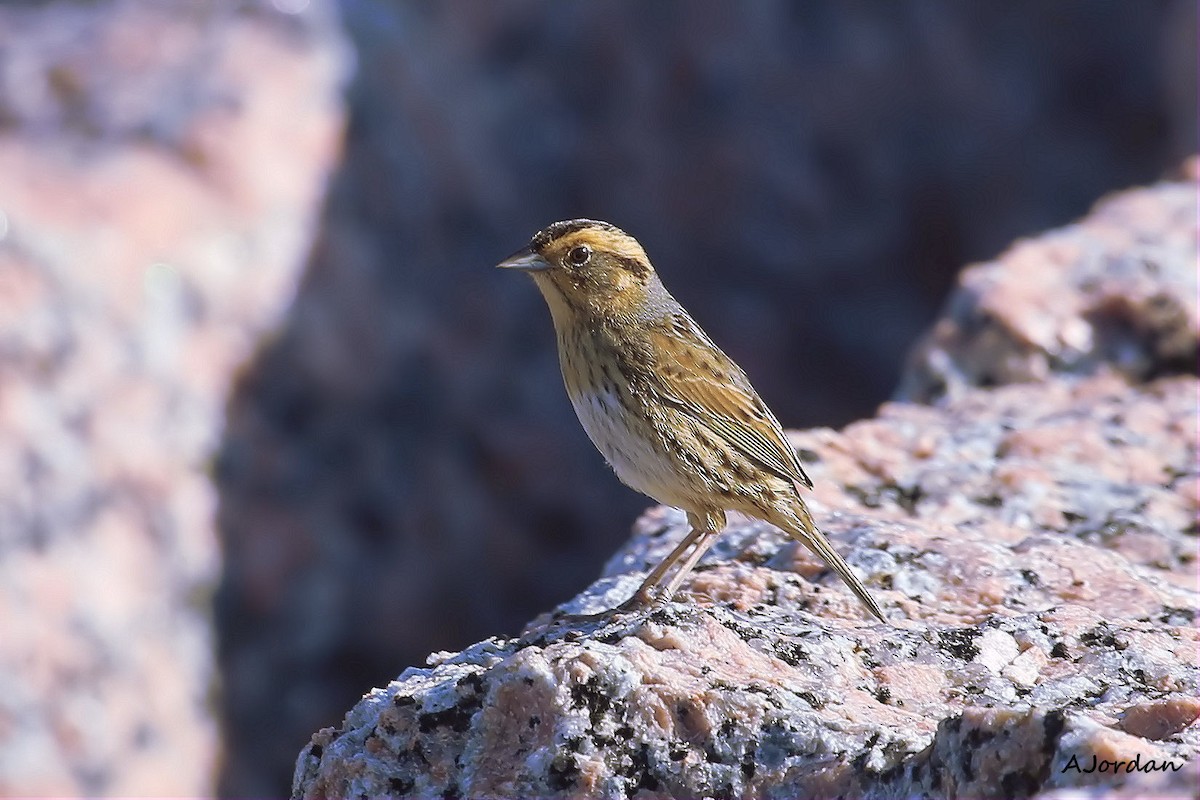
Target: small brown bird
column 673, row 415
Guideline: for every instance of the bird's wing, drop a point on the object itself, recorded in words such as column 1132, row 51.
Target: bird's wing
column 716, row 393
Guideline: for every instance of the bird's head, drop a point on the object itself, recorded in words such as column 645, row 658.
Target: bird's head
column 588, row 269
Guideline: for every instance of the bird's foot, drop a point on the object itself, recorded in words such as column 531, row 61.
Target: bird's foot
column 643, row 601
column 619, row 620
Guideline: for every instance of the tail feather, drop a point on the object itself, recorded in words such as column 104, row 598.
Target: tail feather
column 799, row 525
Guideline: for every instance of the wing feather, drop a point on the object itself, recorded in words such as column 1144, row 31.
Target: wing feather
column 716, row 393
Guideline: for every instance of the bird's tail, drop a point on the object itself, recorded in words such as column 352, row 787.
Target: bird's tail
column 798, row 523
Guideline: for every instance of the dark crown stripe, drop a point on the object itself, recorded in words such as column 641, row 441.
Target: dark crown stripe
column 560, row 229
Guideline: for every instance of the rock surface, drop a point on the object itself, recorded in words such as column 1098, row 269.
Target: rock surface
column 151, row 228
column 1115, row 291
column 1033, row 544
column 402, row 471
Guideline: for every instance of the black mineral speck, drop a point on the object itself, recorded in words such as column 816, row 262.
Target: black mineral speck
column 977, row 736
column 959, row 643
column 860, row 761
column 590, row 695
column 456, row 718
column 1052, row 728
column 639, row 773
column 472, row 683
column 647, row 782
column 1101, row 636
column 790, row 653
column 562, row 773
column 907, row 497
column 1177, row 616
column 1019, row 784
column 811, row 699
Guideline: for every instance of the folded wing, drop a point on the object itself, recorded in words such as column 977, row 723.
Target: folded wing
column 715, row 393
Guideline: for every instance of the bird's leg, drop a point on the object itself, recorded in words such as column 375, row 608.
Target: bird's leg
column 657, row 588
column 645, row 595
column 705, row 528
column 702, row 546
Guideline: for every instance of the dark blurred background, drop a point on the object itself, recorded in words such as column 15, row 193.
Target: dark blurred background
column 401, row 471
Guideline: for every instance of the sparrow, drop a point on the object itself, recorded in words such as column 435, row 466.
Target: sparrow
column 674, row 416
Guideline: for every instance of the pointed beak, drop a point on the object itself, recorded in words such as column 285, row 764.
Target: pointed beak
column 525, row 260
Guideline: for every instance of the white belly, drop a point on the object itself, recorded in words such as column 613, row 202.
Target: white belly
column 637, row 462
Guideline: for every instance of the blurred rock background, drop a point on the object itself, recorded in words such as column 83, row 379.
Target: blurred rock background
column 399, row 456
column 161, row 166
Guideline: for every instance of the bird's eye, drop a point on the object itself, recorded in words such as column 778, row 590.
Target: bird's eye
column 578, row 256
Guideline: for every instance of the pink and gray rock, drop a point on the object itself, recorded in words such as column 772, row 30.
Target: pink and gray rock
column 402, row 472
column 1033, row 544
column 151, row 230
column 1115, row 291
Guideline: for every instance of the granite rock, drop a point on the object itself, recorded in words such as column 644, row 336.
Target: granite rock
column 763, row 680
column 151, row 229
column 1033, row 545
column 402, row 471
column 1115, row 291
